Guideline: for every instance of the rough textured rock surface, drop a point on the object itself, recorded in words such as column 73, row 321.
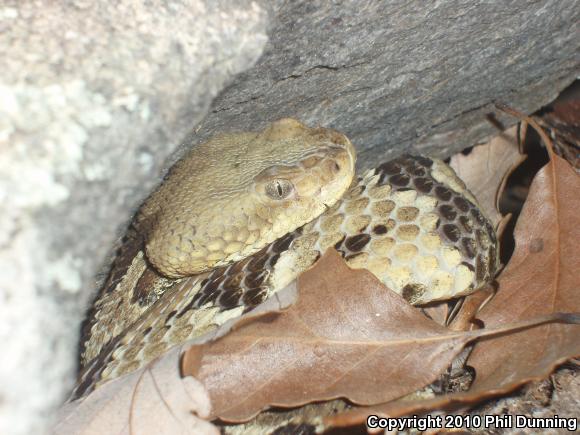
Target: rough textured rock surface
column 399, row 74
column 94, row 96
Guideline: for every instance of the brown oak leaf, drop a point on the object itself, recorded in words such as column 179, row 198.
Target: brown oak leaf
column 542, row 277
column 346, row 336
column 486, row 168
column 154, row 400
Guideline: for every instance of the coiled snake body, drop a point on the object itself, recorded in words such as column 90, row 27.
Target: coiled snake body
column 410, row 221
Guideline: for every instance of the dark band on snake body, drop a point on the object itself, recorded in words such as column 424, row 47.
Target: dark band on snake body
column 373, row 220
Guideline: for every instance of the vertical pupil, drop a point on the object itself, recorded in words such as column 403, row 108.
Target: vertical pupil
column 279, row 187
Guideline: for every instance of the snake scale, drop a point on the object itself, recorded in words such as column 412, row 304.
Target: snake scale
column 204, row 249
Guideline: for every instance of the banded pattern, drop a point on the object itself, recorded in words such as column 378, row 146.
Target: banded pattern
column 410, row 221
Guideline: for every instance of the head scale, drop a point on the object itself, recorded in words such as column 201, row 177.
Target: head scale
column 232, row 195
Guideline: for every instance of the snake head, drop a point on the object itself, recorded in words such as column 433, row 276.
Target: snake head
column 231, row 196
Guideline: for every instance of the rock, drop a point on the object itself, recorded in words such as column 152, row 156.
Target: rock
column 400, row 75
column 94, row 96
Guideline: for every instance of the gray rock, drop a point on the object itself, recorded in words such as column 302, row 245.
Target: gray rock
column 399, row 75
column 94, row 96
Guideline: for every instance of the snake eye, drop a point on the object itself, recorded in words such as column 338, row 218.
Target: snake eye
column 279, row 188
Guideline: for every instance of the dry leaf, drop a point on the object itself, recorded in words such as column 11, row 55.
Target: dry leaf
column 464, row 320
column 485, row 169
column 154, row 400
column 543, row 276
column 438, row 311
column 347, row 335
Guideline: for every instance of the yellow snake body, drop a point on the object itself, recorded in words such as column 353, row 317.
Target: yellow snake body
column 410, row 221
